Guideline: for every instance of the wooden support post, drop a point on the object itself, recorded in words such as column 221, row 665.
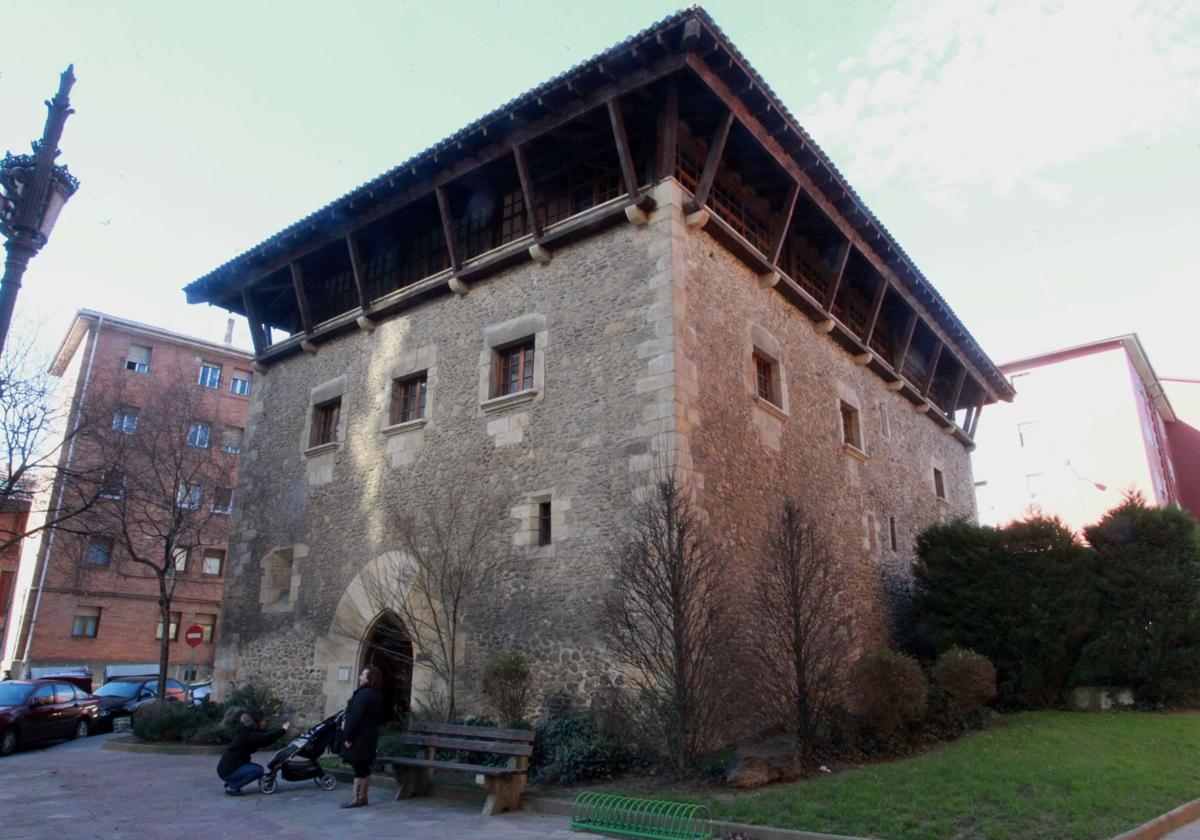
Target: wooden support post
column 535, row 225
column 974, row 420
column 301, row 298
column 448, row 229
column 958, row 387
column 668, row 139
column 711, row 163
column 839, row 272
column 784, row 222
column 356, row 270
column 257, row 338
column 876, row 308
column 906, row 343
column 933, row 365
column 628, row 173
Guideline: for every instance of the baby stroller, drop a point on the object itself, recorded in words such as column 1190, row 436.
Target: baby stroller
column 300, row 759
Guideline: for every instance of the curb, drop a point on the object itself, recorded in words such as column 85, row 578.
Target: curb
column 127, row 743
column 1164, row 823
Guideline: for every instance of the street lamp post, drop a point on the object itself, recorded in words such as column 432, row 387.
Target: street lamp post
column 33, row 191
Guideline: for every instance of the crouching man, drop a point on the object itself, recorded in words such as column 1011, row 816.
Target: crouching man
column 235, row 768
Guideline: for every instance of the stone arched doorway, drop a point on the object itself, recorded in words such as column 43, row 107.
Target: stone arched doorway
column 388, row 647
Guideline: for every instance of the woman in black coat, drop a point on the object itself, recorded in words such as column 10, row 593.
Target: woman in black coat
column 360, row 732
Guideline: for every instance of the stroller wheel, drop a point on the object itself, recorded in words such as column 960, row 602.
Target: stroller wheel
column 268, row 783
column 326, row 781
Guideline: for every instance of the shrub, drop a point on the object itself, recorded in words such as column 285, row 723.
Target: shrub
column 168, row 721
column 507, row 683
column 968, row 680
column 890, row 691
column 576, row 746
column 251, row 698
column 211, row 734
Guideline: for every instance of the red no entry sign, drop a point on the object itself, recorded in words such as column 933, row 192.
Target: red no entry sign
column 194, row 635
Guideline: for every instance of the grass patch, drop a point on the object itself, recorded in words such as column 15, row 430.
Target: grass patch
column 1050, row 775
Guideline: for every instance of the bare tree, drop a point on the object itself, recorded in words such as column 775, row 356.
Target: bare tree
column 453, row 556
column 799, row 644
column 665, row 617
column 160, row 486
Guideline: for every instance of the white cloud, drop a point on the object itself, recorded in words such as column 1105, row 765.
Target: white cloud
column 977, row 94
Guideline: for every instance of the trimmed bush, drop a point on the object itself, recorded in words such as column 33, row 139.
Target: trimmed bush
column 212, row 734
column 968, row 680
column 890, row 691
column 507, row 683
column 168, row 721
column 576, row 746
column 250, row 697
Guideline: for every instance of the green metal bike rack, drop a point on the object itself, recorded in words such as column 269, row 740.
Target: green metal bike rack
column 648, row 818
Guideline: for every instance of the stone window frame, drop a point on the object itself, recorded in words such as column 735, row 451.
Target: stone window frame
column 273, row 598
column 937, row 481
column 528, row 516
column 422, row 360
column 496, row 337
column 321, row 395
column 848, row 398
column 763, row 345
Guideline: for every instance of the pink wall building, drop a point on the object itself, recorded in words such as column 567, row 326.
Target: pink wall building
column 1088, row 424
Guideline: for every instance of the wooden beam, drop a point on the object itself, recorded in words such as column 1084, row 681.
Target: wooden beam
column 839, row 271
column 360, row 283
column 628, row 173
column 974, row 420
column 256, row 328
column 715, row 150
column 691, row 35
column 958, row 387
column 443, row 202
column 301, row 297
column 784, row 222
column 668, row 139
column 527, row 194
column 876, row 308
column 906, row 342
column 933, row 365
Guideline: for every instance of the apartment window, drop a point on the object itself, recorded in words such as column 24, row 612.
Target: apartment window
column 544, row 535
column 112, row 486
column 239, row 383
column 199, row 434
column 764, row 379
column 231, row 439
column 100, row 551
column 210, row 376
column 326, row 425
column 851, row 431
column 514, row 368
column 408, row 398
column 125, row 420
column 87, row 622
column 214, row 561
column 173, row 629
column 180, row 556
column 206, row 622
column 222, row 500
column 138, row 359
column 892, row 533
column 939, row 483
column 191, row 496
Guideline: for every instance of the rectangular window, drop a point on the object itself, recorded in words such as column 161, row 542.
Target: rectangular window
column 326, row 423
column 763, row 379
column 222, row 500
column 210, row 376
column 408, row 398
column 180, row 555
column 544, row 535
column 87, row 622
column 100, row 551
column 514, row 369
column 206, row 622
column 231, row 439
column 214, row 561
column 125, row 420
column 851, row 432
column 191, row 496
column 138, row 359
column 892, row 532
column 939, row 483
column 199, row 434
column 173, row 630
column 239, row 383
column 112, row 486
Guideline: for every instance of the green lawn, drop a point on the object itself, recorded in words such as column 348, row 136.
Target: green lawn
column 1037, row 775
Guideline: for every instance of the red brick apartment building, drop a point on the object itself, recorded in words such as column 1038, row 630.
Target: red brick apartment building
column 14, row 513
column 81, row 601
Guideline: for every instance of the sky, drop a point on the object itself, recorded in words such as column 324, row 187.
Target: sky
column 1039, row 160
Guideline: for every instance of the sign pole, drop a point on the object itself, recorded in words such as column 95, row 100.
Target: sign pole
column 194, row 636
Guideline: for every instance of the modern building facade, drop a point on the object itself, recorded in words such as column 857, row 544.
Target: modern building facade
column 1089, row 424
column 81, row 601
column 642, row 264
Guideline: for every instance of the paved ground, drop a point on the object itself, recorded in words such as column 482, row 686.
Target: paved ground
column 1191, row 831
column 78, row 790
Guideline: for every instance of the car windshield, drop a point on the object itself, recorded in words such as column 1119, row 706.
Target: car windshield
column 118, row 689
column 14, row 695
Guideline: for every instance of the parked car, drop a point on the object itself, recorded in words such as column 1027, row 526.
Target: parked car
column 122, row 695
column 43, row 710
column 201, row 692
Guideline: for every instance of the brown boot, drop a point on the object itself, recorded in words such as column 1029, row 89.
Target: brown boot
column 366, row 785
column 360, row 795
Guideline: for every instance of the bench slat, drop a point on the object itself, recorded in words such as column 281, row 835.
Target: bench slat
column 498, row 747
column 492, row 732
column 451, row 765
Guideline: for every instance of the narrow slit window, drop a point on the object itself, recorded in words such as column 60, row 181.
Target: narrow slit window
column 514, row 368
column 544, row 535
column 408, row 398
column 892, row 533
column 939, row 483
column 326, row 425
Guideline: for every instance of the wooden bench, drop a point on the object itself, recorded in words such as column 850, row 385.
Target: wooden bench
column 414, row 776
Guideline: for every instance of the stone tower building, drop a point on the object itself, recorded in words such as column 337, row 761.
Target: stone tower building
column 643, row 262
